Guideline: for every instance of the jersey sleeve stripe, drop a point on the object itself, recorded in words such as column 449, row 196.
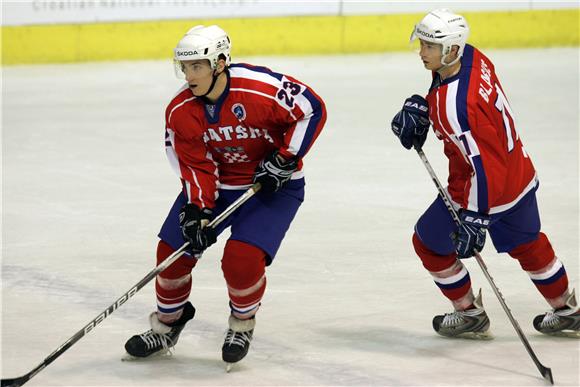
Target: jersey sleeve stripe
column 254, row 72
column 457, row 116
column 481, row 198
column 452, row 109
column 297, row 138
column 440, row 108
column 313, row 125
column 480, row 201
column 461, row 105
column 463, row 88
column 245, row 83
column 170, row 150
column 198, row 186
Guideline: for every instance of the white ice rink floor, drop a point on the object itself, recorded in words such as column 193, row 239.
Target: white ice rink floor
column 86, row 186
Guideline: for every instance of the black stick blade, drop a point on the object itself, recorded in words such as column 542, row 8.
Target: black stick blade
column 14, row 382
column 547, row 374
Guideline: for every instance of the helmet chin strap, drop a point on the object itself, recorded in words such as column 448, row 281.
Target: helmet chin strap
column 447, row 65
column 450, row 63
column 213, row 81
column 449, row 51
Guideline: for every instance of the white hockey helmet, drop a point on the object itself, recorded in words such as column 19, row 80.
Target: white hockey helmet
column 203, row 42
column 444, row 27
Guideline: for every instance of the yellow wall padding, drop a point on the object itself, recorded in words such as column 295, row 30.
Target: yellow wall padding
column 277, row 36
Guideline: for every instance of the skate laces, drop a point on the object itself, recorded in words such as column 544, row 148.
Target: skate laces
column 153, row 340
column 238, row 338
column 452, row 319
column 457, row 317
column 551, row 320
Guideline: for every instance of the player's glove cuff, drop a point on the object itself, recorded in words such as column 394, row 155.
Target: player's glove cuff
column 474, row 218
column 274, row 171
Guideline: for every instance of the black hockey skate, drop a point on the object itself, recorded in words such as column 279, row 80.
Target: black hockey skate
column 467, row 324
column 237, row 341
column 561, row 322
column 161, row 337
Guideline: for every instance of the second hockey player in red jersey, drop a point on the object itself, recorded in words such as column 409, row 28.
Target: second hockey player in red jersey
column 230, row 125
column 492, row 182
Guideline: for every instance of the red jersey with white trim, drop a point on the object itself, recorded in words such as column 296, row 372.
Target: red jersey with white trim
column 489, row 169
column 212, row 146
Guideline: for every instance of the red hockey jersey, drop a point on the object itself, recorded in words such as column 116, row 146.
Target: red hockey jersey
column 489, row 169
column 219, row 146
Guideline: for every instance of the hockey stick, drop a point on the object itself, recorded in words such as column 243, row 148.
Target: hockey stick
column 545, row 371
column 19, row 381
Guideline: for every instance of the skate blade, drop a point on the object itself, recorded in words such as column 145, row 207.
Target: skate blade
column 127, row 357
column 229, row 367
column 567, row 334
column 161, row 354
column 486, row 335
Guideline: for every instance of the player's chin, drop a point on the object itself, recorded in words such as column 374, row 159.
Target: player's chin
column 196, row 90
column 432, row 67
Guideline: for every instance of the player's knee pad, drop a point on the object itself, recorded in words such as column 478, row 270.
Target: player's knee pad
column 432, row 261
column 534, row 255
column 172, row 285
column 179, row 268
column 243, row 265
column 244, row 268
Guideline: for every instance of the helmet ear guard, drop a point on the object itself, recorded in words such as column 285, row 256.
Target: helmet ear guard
column 444, row 27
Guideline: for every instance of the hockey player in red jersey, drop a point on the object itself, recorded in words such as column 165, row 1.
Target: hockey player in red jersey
column 229, row 126
column 492, row 182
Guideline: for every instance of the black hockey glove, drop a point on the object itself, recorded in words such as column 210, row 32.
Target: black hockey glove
column 193, row 221
column 411, row 124
column 274, row 171
column 470, row 236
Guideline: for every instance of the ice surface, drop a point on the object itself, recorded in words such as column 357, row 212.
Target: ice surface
column 86, row 186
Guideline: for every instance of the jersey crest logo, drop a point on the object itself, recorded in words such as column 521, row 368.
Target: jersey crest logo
column 239, row 111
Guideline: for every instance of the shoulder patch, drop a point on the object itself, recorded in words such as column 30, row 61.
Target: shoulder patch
column 239, row 111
